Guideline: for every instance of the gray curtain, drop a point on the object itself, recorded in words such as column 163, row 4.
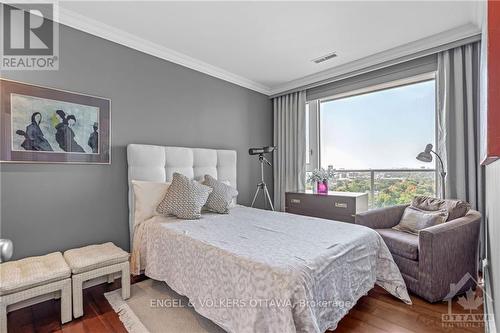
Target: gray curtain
column 290, row 138
column 459, row 126
column 458, row 123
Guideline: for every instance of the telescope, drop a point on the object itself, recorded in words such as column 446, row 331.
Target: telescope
column 261, row 151
column 262, row 186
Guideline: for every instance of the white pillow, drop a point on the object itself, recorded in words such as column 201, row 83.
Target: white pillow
column 233, row 202
column 147, row 196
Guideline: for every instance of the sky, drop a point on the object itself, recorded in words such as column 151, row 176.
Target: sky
column 379, row 130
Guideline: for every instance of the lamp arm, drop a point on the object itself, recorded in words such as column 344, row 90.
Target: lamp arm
column 443, row 175
column 443, row 172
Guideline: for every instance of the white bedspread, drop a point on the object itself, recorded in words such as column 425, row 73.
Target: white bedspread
column 260, row 271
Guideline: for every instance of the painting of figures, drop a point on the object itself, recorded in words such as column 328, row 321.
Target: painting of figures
column 48, row 125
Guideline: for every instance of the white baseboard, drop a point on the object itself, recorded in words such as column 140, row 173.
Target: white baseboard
column 489, row 309
column 491, row 326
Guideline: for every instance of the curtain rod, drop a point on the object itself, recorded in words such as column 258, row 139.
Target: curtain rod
column 433, row 50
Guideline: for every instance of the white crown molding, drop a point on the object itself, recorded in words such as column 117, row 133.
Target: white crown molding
column 83, row 23
column 93, row 27
column 412, row 48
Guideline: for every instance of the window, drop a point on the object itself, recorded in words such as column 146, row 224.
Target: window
column 371, row 139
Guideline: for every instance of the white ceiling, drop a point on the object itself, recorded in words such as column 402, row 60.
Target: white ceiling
column 266, row 45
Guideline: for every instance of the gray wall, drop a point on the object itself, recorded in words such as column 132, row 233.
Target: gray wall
column 55, row 207
column 493, row 233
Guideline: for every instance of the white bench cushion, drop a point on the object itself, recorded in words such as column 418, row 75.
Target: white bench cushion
column 92, row 257
column 32, row 272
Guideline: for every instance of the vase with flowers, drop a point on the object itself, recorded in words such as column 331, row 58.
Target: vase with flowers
column 319, row 179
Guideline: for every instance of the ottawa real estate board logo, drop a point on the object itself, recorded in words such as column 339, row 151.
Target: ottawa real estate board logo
column 30, row 38
column 466, row 311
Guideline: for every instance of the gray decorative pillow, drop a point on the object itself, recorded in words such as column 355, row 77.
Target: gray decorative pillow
column 184, row 198
column 220, row 199
column 455, row 208
column 415, row 219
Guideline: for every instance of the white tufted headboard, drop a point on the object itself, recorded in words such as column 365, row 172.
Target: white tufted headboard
column 158, row 163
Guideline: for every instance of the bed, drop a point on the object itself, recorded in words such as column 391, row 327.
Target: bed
column 254, row 270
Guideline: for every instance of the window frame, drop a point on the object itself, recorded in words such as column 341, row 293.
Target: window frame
column 314, row 144
column 382, row 86
column 315, row 118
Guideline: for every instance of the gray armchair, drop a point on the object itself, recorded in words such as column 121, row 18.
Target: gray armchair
column 438, row 256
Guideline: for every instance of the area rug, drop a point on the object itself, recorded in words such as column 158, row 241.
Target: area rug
column 154, row 307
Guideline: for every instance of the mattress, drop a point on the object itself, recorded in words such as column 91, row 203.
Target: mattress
column 261, row 271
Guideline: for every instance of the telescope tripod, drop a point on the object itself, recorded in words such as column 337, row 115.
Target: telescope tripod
column 262, row 186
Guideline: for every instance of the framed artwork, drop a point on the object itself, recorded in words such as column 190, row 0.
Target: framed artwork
column 490, row 116
column 44, row 125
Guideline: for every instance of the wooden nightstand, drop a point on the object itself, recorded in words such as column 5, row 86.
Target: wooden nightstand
column 339, row 206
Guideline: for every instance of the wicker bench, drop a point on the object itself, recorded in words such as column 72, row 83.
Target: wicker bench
column 95, row 261
column 32, row 277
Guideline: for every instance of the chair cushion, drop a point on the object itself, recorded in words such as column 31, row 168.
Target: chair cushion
column 400, row 243
column 32, row 272
column 455, row 208
column 92, row 257
column 406, row 266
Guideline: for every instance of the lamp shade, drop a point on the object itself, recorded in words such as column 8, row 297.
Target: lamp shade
column 6, row 249
column 425, row 156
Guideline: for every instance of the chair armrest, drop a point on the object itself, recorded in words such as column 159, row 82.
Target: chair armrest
column 447, row 252
column 381, row 218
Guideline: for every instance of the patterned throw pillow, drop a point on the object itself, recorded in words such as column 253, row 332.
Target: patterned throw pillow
column 220, row 199
column 415, row 219
column 184, row 198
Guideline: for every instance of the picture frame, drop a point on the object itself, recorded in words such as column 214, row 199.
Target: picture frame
column 47, row 125
column 489, row 142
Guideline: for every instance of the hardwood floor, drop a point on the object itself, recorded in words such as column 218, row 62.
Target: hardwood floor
column 376, row 313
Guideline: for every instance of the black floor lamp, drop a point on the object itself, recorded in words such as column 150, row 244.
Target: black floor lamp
column 426, row 156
